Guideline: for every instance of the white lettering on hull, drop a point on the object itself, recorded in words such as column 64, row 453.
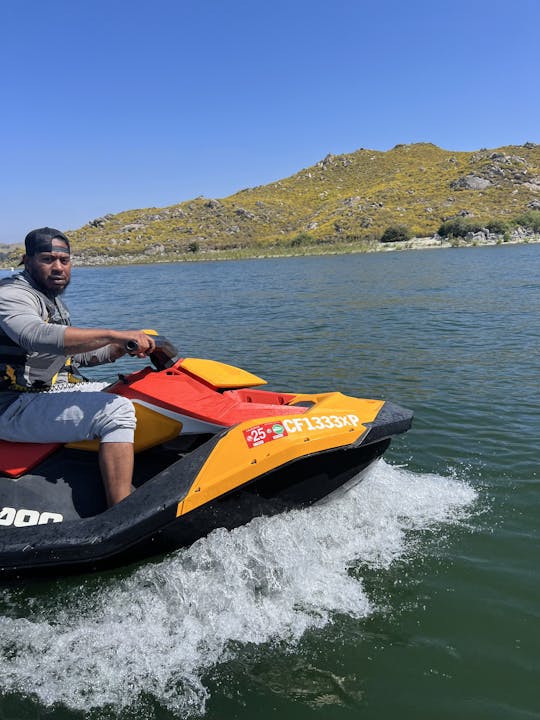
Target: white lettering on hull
column 319, row 422
column 25, row 518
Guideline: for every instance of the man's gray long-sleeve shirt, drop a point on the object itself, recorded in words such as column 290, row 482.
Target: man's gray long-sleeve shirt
column 21, row 319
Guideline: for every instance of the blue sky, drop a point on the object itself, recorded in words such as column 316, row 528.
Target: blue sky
column 109, row 105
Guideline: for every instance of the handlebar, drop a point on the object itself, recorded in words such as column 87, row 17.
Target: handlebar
column 162, row 357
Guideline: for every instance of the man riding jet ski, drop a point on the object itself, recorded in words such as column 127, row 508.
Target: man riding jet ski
column 39, row 347
column 212, row 449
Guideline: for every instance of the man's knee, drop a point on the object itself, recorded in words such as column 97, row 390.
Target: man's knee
column 117, row 421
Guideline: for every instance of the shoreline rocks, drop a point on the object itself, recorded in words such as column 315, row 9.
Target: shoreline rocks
column 478, row 239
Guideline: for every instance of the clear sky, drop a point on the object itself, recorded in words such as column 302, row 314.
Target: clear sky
column 109, row 105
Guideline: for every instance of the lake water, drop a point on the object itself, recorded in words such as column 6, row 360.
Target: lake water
column 416, row 595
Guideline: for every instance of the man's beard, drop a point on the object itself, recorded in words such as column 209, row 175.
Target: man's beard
column 53, row 292
column 58, row 291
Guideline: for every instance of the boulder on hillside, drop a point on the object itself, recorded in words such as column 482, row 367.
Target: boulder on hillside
column 352, row 201
column 327, row 161
column 213, row 204
column 533, row 184
column 157, row 249
column 470, row 182
column 508, row 159
column 241, row 212
column 100, row 221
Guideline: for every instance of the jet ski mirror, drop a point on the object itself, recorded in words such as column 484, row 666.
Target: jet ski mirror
column 164, row 355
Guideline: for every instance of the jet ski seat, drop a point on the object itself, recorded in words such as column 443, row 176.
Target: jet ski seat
column 17, row 459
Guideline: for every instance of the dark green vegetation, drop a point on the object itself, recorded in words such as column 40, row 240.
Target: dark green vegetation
column 344, row 202
column 8, row 256
column 460, row 227
column 396, row 233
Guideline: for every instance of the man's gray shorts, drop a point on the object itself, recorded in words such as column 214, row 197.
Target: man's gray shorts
column 68, row 417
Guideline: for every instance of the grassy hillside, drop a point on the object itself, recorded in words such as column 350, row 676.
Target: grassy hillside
column 343, row 199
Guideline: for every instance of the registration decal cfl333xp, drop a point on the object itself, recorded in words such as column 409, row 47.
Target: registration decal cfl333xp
column 266, row 432
column 320, row 422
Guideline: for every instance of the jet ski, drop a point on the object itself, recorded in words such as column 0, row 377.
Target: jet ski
column 213, row 449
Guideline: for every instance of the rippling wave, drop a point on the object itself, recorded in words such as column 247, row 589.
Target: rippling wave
column 109, row 641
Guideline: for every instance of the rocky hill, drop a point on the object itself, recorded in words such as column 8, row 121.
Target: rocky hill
column 343, row 199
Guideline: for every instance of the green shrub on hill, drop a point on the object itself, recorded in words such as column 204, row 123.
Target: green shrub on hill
column 498, row 226
column 396, row 233
column 302, row 238
column 529, row 220
column 459, row 227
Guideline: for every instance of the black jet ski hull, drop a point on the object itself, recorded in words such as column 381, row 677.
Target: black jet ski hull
column 146, row 523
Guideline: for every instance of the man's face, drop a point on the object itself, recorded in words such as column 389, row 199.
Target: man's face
column 51, row 270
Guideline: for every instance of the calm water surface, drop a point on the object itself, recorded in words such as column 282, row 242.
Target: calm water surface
column 415, row 596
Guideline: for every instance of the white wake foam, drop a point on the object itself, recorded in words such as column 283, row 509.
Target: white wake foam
column 160, row 630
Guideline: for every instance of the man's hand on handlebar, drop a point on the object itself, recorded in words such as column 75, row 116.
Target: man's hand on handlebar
column 133, row 342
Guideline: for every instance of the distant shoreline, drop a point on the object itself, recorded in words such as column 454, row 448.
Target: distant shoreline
column 311, row 250
column 315, row 250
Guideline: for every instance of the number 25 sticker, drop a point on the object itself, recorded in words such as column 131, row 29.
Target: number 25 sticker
column 266, row 432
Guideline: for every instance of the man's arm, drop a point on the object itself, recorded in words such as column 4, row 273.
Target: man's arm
column 20, row 318
column 107, row 354
column 84, row 340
